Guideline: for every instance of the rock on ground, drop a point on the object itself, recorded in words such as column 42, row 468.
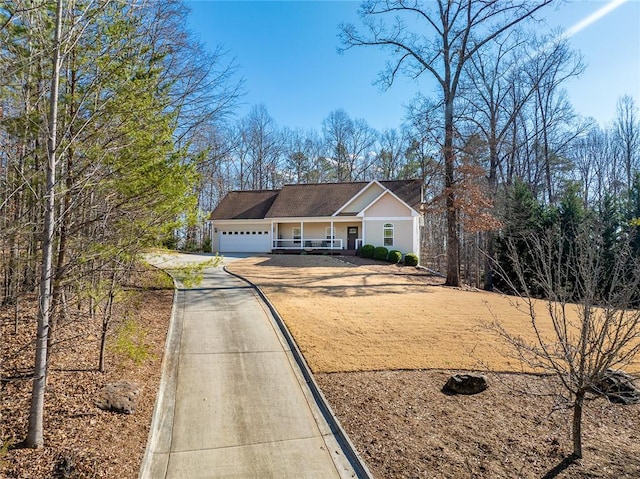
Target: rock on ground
column 119, row 397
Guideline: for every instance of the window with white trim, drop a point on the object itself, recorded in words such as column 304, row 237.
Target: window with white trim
column 329, row 233
column 387, row 234
column 296, row 232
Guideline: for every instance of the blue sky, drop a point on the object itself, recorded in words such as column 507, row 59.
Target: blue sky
column 287, row 55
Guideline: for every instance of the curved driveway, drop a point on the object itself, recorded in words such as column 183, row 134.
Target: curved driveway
column 232, row 402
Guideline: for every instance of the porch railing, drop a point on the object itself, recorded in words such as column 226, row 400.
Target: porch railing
column 307, row 243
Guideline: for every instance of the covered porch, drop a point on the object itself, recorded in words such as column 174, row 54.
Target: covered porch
column 319, row 236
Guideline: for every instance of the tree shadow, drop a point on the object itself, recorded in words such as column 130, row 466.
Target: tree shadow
column 561, row 467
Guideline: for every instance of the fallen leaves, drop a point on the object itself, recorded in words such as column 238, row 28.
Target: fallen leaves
column 81, row 441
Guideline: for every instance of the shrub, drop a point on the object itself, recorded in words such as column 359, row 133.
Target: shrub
column 206, row 246
column 170, row 242
column 367, row 251
column 191, row 246
column 411, row 259
column 130, row 342
column 380, row 253
column 395, row 256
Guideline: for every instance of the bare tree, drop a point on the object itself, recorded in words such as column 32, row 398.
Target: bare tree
column 591, row 156
column 303, row 151
column 498, row 85
column 448, row 36
column 337, row 127
column 261, row 143
column 588, row 324
column 553, row 111
column 390, row 161
column 348, row 143
column 627, row 135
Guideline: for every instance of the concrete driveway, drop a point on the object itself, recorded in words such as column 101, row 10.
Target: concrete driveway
column 233, row 402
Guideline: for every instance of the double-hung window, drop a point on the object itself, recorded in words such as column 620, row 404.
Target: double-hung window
column 387, row 234
column 329, row 233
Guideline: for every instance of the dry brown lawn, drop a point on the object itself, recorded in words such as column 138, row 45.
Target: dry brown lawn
column 382, row 341
column 348, row 317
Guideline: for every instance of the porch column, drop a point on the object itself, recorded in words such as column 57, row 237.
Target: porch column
column 301, row 234
column 274, row 234
column 364, row 231
column 333, row 236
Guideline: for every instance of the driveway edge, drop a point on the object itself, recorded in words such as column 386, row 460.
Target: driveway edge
column 165, row 398
column 342, row 439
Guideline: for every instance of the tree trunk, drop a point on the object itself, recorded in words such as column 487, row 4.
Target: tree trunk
column 577, row 426
column 58, row 306
column 489, row 261
column 35, row 437
column 106, row 320
column 453, row 240
column 493, row 191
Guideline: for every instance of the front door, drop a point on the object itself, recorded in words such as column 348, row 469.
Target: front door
column 352, row 236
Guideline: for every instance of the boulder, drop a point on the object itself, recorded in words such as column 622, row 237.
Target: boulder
column 119, row 397
column 618, row 387
column 465, row 384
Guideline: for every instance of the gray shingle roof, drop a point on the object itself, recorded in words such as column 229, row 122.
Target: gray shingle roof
column 307, row 200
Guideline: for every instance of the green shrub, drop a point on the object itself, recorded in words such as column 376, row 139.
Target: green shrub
column 380, row 253
column 367, row 251
column 170, row 242
column 395, row 256
column 411, row 259
column 206, row 245
column 191, row 246
column 130, row 342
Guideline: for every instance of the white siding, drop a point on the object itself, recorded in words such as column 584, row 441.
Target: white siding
column 242, row 238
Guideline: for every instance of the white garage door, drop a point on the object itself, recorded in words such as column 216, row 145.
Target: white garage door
column 244, row 241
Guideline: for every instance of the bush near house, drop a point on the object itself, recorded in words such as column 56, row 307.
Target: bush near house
column 367, row 251
column 411, row 259
column 380, row 253
column 206, row 246
column 395, row 256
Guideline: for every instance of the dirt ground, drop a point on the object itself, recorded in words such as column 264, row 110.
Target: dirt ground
column 403, row 426
column 382, row 341
column 82, row 441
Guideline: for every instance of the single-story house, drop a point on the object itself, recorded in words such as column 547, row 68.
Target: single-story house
column 331, row 217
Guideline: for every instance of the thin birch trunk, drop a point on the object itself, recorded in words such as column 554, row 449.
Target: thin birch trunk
column 35, row 436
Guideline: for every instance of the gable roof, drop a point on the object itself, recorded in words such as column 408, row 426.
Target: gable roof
column 244, row 205
column 353, row 201
column 319, row 199
column 409, row 191
column 384, row 194
column 307, row 200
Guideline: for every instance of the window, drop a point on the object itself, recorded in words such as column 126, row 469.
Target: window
column 329, row 233
column 297, row 234
column 387, row 234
